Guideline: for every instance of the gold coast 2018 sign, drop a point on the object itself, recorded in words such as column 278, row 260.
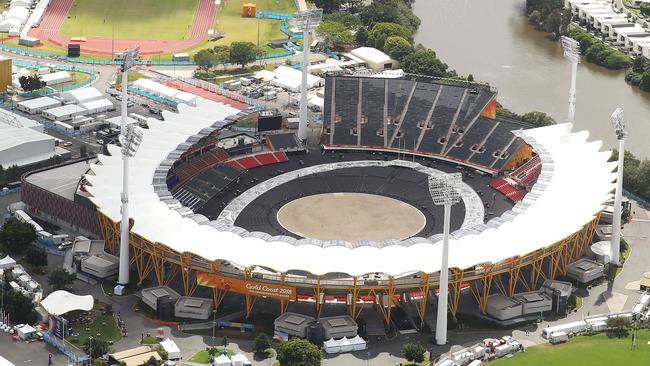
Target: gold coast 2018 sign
column 246, row 286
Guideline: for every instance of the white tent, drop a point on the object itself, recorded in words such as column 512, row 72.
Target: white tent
column 358, row 343
column 222, row 360
column 332, row 346
column 26, row 332
column 239, row 360
column 173, row 352
column 60, row 302
column 7, row 263
column 346, row 345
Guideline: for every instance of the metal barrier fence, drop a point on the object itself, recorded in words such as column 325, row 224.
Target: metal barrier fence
column 73, row 357
column 264, row 14
column 206, row 85
column 643, row 202
column 32, row 53
column 153, row 97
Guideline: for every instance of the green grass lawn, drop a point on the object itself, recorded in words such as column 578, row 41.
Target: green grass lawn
column 108, row 332
column 598, row 350
column 148, row 19
column 204, row 357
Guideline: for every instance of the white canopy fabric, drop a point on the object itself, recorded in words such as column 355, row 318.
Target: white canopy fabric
column 239, row 359
column 576, row 180
column 332, row 346
column 222, row 360
column 7, row 263
column 173, row 352
column 358, row 343
column 60, row 302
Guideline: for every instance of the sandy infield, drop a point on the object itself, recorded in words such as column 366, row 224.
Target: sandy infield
column 351, row 217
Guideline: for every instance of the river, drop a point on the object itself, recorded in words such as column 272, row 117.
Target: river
column 492, row 40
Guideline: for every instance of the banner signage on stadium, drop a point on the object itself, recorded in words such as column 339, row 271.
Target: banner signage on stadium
column 246, row 287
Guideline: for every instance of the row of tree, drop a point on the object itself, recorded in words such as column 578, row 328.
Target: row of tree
column 388, row 25
column 639, row 73
column 597, row 52
column 549, row 16
column 636, row 174
column 239, row 53
column 533, row 118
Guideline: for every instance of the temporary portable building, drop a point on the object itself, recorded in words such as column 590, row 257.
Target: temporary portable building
column 64, row 112
column 26, row 332
column 83, row 95
column 173, row 352
column 34, row 106
column 7, row 263
column 346, row 345
column 98, row 106
column 58, row 77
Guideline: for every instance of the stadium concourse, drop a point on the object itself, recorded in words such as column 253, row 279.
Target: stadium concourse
column 205, row 199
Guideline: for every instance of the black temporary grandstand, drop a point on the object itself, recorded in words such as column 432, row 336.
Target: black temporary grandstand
column 437, row 117
column 208, row 183
column 286, row 142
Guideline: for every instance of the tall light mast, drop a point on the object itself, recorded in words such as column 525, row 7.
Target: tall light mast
column 130, row 138
column 572, row 53
column 307, row 20
column 621, row 133
column 444, row 192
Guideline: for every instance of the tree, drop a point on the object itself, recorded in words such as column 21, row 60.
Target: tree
column 618, row 326
column 381, row 31
column 397, row 47
column 413, row 352
column 36, row 256
column 221, row 54
column 423, row 61
column 645, row 81
column 537, row 119
column 262, row 343
column 617, row 60
column 224, row 342
column 334, row 33
column 19, row 307
column 16, row 236
column 31, row 83
column 60, row 279
column 328, row 6
column 645, row 9
column 204, row 59
column 640, row 64
column 470, row 77
column 243, row 53
column 95, row 347
column 298, row 352
column 390, row 11
column 347, row 19
column 361, row 37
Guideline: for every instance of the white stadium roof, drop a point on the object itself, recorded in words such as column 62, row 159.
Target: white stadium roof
column 576, row 180
column 60, row 302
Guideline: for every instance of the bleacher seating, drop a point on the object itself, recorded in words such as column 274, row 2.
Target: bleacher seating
column 503, row 186
column 527, row 172
column 427, row 116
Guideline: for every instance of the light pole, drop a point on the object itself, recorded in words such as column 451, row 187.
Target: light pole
column 307, row 20
column 572, row 53
column 130, row 138
column 621, row 132
column 444, row 192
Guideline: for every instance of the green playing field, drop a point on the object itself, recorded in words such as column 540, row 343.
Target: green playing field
column 597, row 350
column 139, row 19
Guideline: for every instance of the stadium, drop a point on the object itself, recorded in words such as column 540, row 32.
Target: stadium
column 349, row 218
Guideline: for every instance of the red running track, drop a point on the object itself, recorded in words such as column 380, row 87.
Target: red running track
column 58, row 10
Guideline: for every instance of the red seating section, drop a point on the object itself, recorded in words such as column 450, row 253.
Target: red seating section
column 512, row 193
column 254, row 161
column 527, row 172
column 194, row 166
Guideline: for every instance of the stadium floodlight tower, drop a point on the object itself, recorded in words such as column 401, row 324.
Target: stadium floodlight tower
column 444, row 192
column 306, row 20
column 621, row 133
column 130, row 138
column 572, row 53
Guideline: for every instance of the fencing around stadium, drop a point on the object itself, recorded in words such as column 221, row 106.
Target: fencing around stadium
column 32, row 53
